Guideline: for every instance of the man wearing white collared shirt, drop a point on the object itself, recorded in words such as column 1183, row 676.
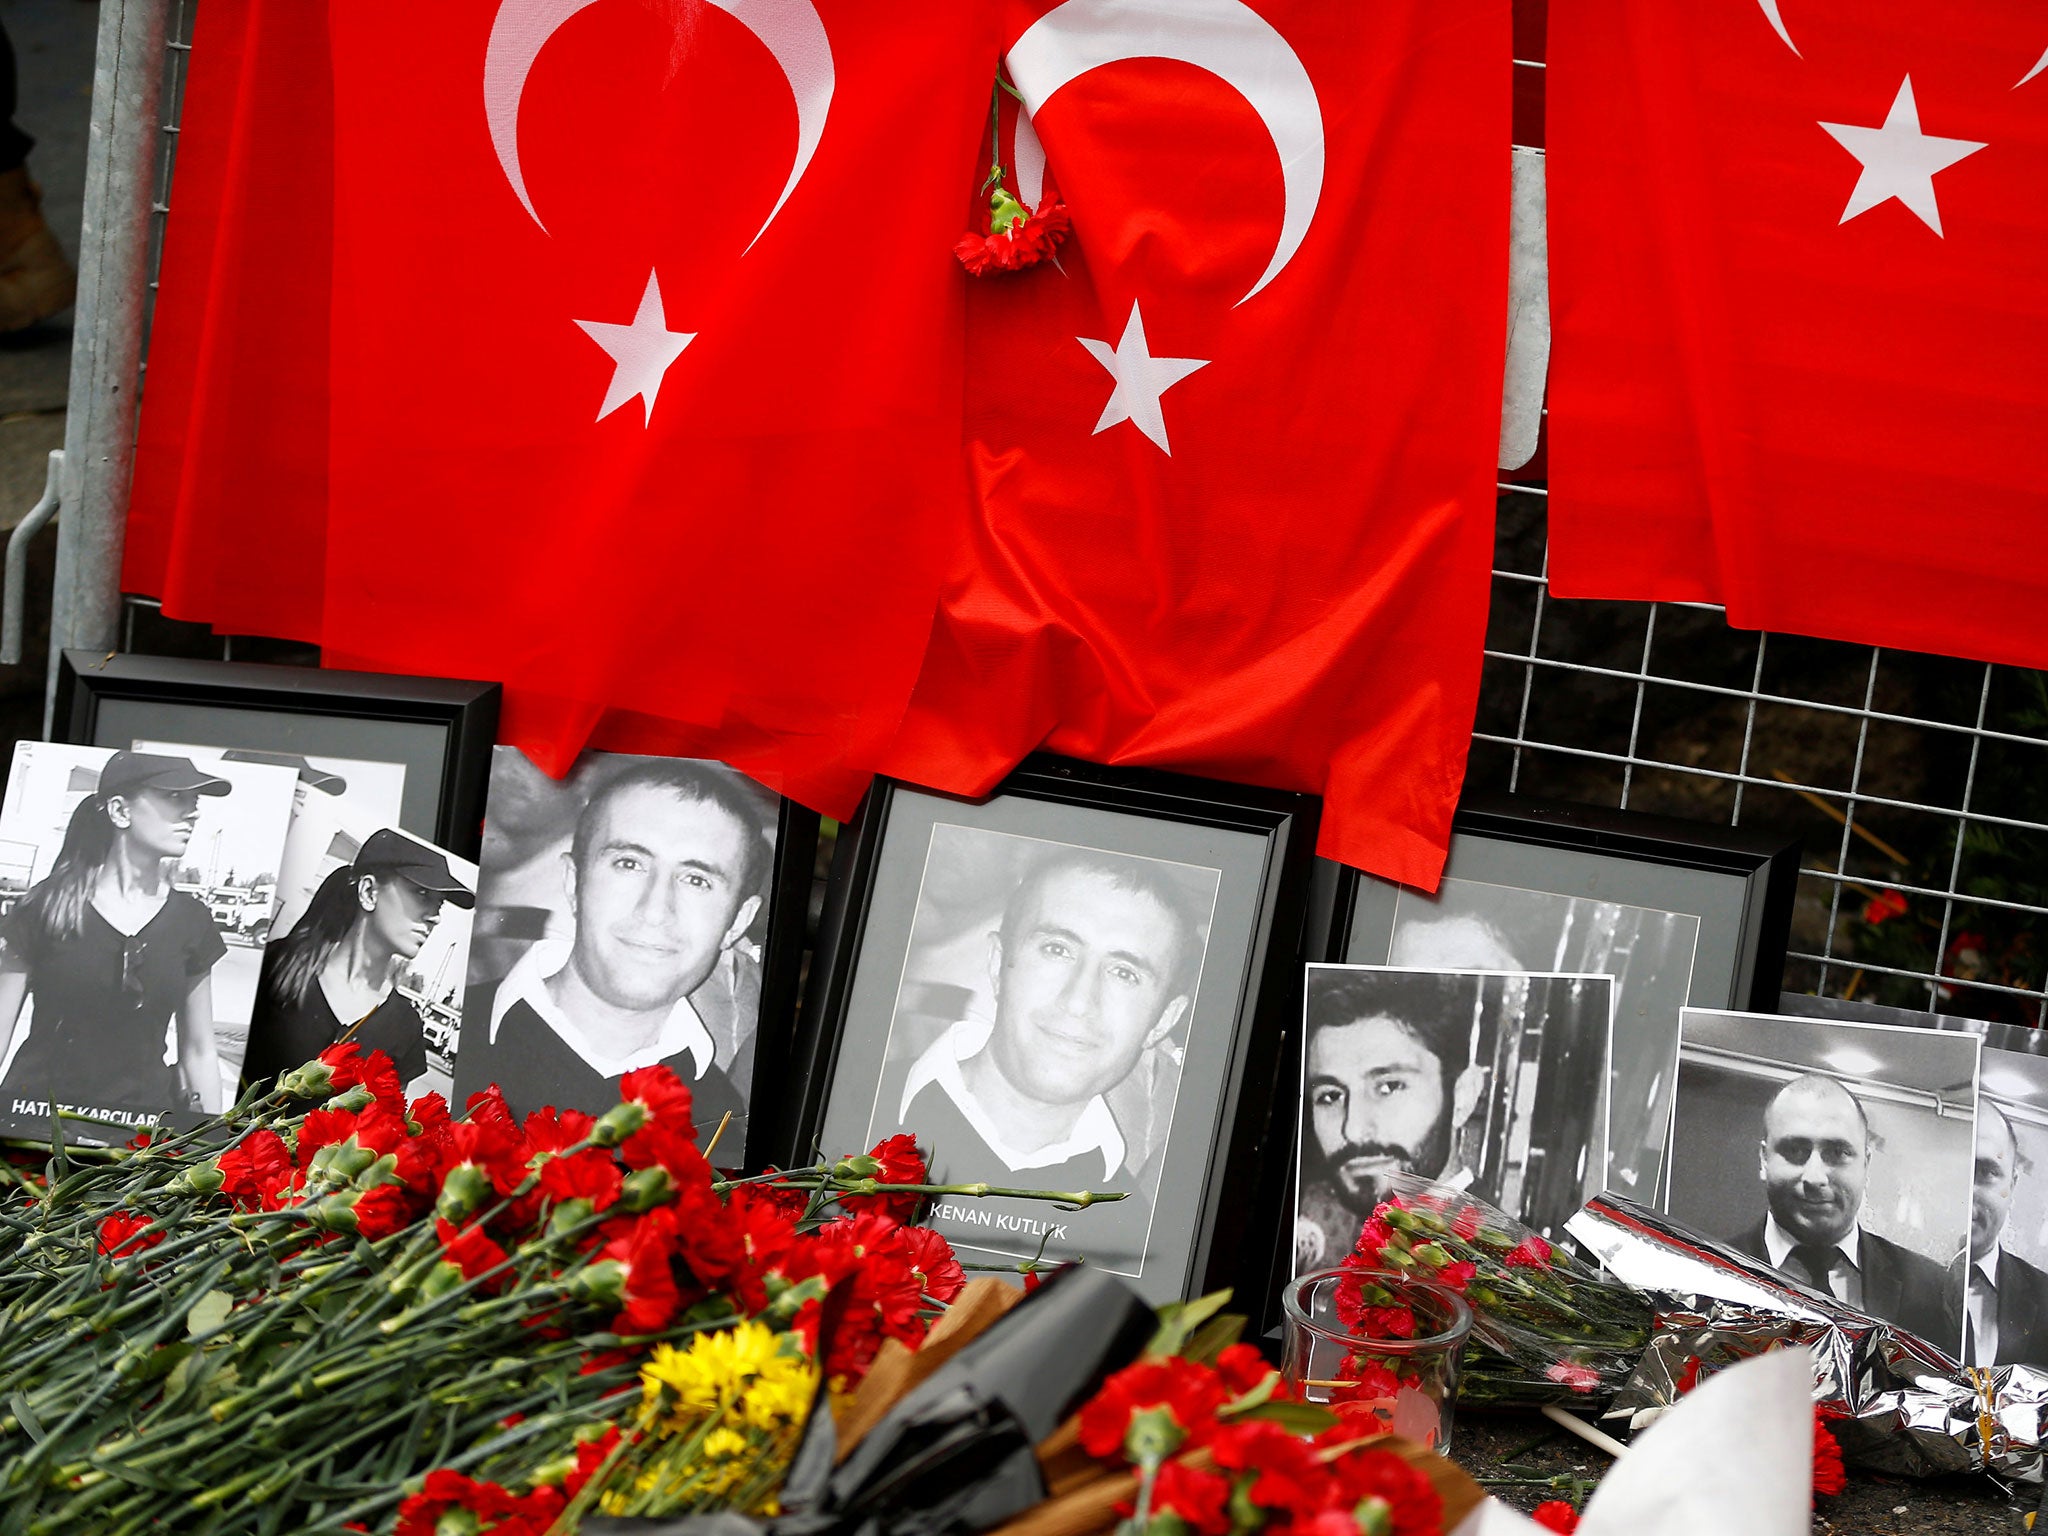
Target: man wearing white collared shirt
column 1092, row 964
column 663, row 877
column 1814, row 1161
column 2008, row 1297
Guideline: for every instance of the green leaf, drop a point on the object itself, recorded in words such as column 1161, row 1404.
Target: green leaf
column 208, row 1313
column 152, row 1364
column 1295, row 1418
column 1214, row 1337
column 25, row 1416
column 1179, row 1319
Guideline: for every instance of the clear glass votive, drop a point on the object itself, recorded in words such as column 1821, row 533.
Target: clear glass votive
column 1410, row 1384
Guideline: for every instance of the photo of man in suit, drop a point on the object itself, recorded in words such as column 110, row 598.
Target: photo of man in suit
column 1814, row 1163
column 2006, row 1314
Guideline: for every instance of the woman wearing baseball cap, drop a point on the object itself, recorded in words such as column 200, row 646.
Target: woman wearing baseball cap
column 113, row 954
column 336, row 973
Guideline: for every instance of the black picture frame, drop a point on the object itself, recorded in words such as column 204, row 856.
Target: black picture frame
column 1748, row 877
column 1242, row 1178
column 442, row 728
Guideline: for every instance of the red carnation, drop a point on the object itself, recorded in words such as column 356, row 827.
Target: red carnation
column 1578, row 1377
column 1017, row 238
column 382, row 1211
column 347, row 1065
column 1289, row 1474
column 661, row 1096
column 556, row 1130
column 1243, row 1369
column 932, row 1261
column 1556, row 1515
column 1456, row 1276
column 1375, row 1380
column 587, row 1175
column 255, row 1170
column 591, row 1455
column 429, row 1112
column 650, row 1298
column 1466, row 1225
column 1189, row 1394
column 122, row 1234
column 1883, row 906
column 468, row 1249
column 488, row 1106
column 1361, row 1478
column 1829, row 1476
column 1532, row 1252
column 1201, row 1499
column 896, row 1161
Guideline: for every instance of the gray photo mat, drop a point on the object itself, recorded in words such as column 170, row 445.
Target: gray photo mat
column 1729, row 907
column 1206, row 1096
column 421, row 746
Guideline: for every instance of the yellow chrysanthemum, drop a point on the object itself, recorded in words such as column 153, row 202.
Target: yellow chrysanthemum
column 714, row 1369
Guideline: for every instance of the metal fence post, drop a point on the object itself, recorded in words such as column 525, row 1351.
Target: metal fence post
column 106, row 351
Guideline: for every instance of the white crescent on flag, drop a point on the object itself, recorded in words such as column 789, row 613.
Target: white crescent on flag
column 1778, row 24
column 1225, row 37
column 788, row 29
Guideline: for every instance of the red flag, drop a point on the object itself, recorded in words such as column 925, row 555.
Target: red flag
column 646, row 361
column 1799, row 276
column 227, row 518
column 1233, row 456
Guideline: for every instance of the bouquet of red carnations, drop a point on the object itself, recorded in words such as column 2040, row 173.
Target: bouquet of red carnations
column 1545, row 1327
column 1201, row 1437
column 329, row 1309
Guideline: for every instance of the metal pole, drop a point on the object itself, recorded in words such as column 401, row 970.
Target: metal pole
column 106, row 348
column 14, row 604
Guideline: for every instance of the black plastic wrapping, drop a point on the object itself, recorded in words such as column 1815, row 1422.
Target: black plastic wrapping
column 957, row 1453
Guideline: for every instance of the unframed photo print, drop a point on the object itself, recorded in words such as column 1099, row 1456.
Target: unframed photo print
column 136, row 889
column 621, row 920
column 377, row 955
column 1862, row 1138
column 1487, row 1080
column 1477, row 925
column 2007, row 1295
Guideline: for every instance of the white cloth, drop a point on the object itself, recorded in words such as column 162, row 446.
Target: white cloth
column 1845, row 1275
column 1094, row 1130
column 527, row 982
column 1982, row 1300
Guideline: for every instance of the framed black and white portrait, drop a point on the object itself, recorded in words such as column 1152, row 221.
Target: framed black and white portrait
column 640, row 910
column 1084, row 983
column 377, row 954
column 409, row 752
column 135, row 892
column 2006, row 1282
column 1679, row 914
column 1485, row 1080
column 1839, row 1153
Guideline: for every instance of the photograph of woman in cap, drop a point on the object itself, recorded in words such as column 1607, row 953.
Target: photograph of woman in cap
column 336, row 973
column 112, row 955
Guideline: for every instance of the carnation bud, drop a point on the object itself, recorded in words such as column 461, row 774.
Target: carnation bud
column 1154, row 1434
column 1400, row 1218
column 1375, row 1516
column 1432, row 1254
column 463, row 1192
column 572, row 1213
column 619, row 1122
column 315, row 1080
column 441, row 1279
column 645, row 1188
column 602, row 1283
column 355, row 1100
column 203, row 1178
column 858, row 1166
column 336, row 1213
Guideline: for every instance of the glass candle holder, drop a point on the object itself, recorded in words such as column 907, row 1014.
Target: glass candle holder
column 1343, row 1346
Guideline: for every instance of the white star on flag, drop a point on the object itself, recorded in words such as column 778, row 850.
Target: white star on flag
column 1140, row 378
column 641, row 352
column 1899, row 160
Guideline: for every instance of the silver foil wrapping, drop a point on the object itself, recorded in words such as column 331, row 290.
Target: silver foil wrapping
column 1898, row 1403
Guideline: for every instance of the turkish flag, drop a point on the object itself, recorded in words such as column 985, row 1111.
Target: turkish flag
column 1232, row 457
column 1799, row 286
column 228, row 512
column 646, row 361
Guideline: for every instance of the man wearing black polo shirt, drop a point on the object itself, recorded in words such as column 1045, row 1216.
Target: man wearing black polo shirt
column 664, row 875
column 1093, row 963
